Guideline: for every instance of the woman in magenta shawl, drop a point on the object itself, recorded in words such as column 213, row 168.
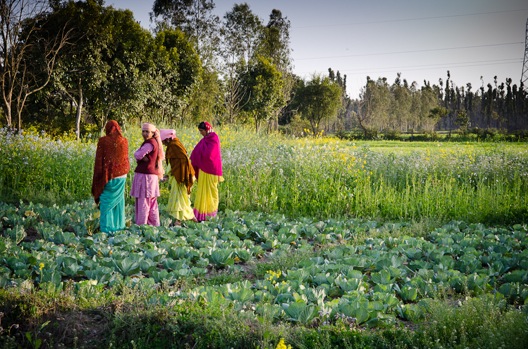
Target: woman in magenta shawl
column 206, row 159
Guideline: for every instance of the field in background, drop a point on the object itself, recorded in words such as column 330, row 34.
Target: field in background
column 324, row 177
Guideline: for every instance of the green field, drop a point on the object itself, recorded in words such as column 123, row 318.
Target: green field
column 319, row 243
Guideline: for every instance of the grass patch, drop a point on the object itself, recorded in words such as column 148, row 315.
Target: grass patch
column 481, row 322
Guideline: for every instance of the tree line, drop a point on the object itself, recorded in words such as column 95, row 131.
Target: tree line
column 401, row 107
column 71, row 65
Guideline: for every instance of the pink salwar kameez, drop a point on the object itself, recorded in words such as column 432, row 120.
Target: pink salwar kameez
column 145, row 188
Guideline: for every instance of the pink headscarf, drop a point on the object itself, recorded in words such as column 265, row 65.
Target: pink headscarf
column 167, row 133
column 161, row 154
column 148, row 127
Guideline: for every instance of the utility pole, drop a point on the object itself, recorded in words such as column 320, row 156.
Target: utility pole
column 524, row 75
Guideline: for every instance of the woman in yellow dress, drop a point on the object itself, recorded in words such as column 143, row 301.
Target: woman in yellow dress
column 206, row 158
column 181, row 177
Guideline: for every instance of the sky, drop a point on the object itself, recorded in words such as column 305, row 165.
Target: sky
column 421, row 39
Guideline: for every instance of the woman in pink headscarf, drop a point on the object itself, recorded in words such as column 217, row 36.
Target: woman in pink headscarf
column 206, row 158
column 149, row 170
column 181, row 177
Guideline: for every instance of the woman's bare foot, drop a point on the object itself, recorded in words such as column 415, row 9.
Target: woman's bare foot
column 175, row 224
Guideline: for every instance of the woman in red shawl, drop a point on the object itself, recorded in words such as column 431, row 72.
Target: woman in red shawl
column 110, row 171
column 206, row 158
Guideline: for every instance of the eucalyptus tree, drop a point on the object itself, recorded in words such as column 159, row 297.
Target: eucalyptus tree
column 469, row 99
column 382, row 103
column 373, row 107
column 450, row 103
column 461, row 114
column 436, row 114
column 344, row 113
column 363, row 108
column 401, row 105
column 317, row 100
column 241, row 32
column 234, row 95
column 196, row 19
column 462, row 120
column 290, row 112
column 28, row 57
column 201, row 94
column 428, row 102
column 519, row 106
column 508, row 106
column 491, row 109
column 275, row 46
column 264, row 85
column 275, row 41
column 414, row 113
column 177, row 69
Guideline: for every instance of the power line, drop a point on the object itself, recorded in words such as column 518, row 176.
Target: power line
column 408, row 19
column 439, row 66
column 431, row 66
column 412, row 51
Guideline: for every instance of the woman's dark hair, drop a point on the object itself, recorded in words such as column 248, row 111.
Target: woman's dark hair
column 201, row 126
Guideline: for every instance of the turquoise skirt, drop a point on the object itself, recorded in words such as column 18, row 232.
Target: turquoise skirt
column 112, row 205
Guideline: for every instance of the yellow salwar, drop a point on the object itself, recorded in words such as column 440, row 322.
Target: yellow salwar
column 206, row 196
column 179, row 205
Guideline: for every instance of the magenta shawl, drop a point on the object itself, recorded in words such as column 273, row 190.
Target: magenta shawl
column 206, row 155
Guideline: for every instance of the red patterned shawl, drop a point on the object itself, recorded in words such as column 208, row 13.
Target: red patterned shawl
column 111, row 158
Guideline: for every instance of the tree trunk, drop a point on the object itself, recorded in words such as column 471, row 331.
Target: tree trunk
column 8, row 116
column 79, row 113
column 20, row 103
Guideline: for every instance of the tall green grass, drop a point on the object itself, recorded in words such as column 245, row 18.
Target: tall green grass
column 388, row 180
column 475, row 182
column 35, row 168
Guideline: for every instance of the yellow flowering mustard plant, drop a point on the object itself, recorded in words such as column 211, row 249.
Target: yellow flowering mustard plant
column 273, row 276
column 283, row 345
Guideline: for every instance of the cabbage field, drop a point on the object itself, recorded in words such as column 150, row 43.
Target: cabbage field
column 318, row 243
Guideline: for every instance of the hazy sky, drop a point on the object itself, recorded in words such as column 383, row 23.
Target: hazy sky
column 421, row 39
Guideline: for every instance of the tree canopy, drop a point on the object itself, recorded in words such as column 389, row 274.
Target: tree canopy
column 70, row 65
column 317, row 100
